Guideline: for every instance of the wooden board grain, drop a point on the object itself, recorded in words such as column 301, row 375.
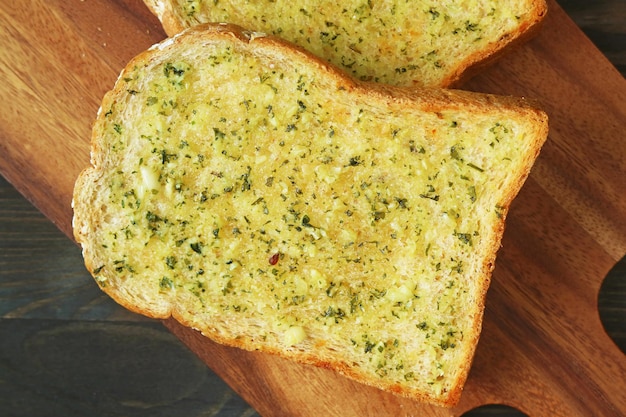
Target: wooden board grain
column 543, row 349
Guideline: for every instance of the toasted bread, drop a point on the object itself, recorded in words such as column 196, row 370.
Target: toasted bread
column 422, row 43
column 265, row 198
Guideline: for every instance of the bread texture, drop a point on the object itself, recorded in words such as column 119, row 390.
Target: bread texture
column 265, row 198
column 414, row 43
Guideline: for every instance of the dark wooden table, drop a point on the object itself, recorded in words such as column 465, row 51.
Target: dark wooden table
column 67, row 350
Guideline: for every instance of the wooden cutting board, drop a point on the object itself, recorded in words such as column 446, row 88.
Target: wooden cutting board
column 543, row 349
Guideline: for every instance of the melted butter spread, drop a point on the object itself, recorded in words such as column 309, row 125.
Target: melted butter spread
column 276, row 202
column 396, row 42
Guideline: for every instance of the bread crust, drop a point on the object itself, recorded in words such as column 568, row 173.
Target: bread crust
column 435, row 101
column 165, row 13
column 478, row 62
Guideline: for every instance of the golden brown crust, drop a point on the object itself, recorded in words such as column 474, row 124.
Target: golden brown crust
column 429, row 100
column 166, row 15
column 480, row 61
